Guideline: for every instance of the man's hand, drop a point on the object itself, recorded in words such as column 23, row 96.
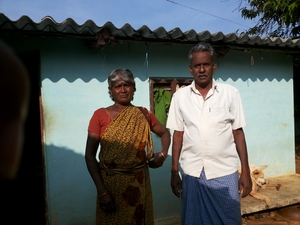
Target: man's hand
column 176, row 183
column 245, row 184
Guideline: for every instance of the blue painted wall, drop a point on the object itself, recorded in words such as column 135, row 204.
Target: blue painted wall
column 74, row 84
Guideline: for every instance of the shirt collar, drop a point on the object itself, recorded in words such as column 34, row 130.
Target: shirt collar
column 214, row 88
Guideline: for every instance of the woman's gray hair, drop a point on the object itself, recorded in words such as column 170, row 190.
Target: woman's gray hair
column 125, row 74
column 202, row 47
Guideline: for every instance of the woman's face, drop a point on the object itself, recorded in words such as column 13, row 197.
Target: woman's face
column 122, row 92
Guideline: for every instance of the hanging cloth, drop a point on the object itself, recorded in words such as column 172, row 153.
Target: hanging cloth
column 162, row 101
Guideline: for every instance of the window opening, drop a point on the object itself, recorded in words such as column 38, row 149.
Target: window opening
column 161, row 91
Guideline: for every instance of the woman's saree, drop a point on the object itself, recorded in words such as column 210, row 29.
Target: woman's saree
column 124, row 170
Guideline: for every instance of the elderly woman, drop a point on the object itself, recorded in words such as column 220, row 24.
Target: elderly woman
column 121, row 175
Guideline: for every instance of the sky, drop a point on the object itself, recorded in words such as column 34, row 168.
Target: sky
column 199, row 15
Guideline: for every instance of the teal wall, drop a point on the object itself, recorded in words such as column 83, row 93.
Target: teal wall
column 74, row 84
column 266, row 88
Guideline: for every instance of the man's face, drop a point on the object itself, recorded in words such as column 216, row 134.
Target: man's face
column 202, row 68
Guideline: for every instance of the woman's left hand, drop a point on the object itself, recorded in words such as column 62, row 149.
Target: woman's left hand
column 157, row 160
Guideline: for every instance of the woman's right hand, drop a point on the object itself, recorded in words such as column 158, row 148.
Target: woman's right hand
column 106, row 202
column 157, row 160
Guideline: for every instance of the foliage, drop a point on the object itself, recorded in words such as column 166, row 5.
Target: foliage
column 276, row 18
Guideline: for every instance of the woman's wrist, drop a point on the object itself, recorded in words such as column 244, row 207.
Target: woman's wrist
column 163, row 155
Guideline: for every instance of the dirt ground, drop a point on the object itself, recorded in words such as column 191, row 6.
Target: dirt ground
column 289, row 215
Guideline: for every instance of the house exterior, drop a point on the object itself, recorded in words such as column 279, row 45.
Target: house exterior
column 69, row 65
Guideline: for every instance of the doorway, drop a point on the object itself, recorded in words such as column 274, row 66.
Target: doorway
column 297, row 111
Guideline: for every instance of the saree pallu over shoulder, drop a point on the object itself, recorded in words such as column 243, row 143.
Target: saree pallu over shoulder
column 124, row 170
column 126, row 136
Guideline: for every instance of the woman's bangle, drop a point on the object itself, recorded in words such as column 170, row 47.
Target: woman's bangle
column 163, row 155
column 103, row 194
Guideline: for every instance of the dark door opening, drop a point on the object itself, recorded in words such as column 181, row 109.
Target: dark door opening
column 297, row 111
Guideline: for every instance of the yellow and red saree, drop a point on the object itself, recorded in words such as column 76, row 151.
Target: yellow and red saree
column 124, row 170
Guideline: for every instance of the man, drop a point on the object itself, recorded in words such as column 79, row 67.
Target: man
column 207, row 118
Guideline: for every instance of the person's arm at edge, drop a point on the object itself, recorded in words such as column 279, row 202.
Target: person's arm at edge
column 245, row 183
column 14, row 100
column 176, row 150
